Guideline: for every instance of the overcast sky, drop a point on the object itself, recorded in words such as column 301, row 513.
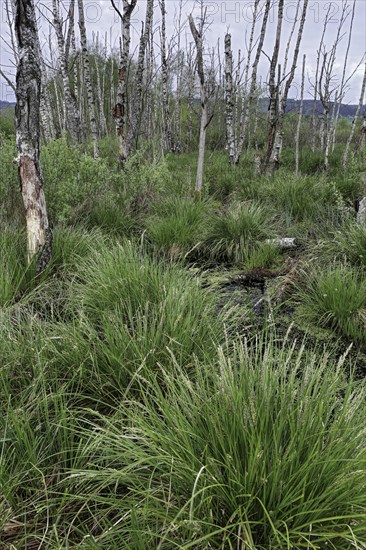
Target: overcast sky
column 235, row 16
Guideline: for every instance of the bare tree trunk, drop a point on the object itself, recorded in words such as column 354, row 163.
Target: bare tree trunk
column 198, row 39
column 28, row 93
column 164, row 84
column 229, row 99
column 88, row 84
column 139, row 80
column 273, row 91
column 120, row 108
column 277, row 149
column 71, row 110
column 253, row 84
column 297, row 139
column 359, row 107
column 343, row 83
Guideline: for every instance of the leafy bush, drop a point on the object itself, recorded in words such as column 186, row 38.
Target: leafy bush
column 71, row 178
column 335, row 298
column 265, row 449
column 234, row 231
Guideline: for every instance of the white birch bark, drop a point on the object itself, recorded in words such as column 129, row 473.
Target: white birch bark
column 297, row 138
column 164, row 81
column 278, row 141
column 71, row 110
column 136, row 113
column 28, row 92
column 120, row 107
column 357, row 114
column 198, row 39
column 253, row 84
column 229, row 99
column 88, row 84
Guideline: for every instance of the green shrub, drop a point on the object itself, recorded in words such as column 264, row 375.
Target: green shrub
column 335, row 298
column 71, row 178
column 234, row 231
column 265, row 449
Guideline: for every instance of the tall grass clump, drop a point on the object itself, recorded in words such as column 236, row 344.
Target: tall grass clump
column 235, row 230
column 261, row 450
column 335, row 298
column 14, row 273
column 350, row 244
column 144, row 312
column 298, row 198
column 178, row 226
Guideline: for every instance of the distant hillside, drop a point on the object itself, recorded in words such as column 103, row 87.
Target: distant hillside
column 293, row 105
column 6, row 104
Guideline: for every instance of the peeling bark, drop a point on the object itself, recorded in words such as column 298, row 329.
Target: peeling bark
column 28, row 94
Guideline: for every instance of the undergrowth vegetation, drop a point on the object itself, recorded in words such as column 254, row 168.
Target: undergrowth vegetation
column 161, row 381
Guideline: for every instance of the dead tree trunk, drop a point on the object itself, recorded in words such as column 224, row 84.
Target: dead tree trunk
column 139, row 80
column 297, row 139
column 229, row 99
column 28, row 94
column 164, row 82
column 88, row 84
column 273, row 91
column 71, row 110
column 277, row 148
column 246, row 100
column 359, row 107
column 253, row 84
column 120, row 108
column 198, row 39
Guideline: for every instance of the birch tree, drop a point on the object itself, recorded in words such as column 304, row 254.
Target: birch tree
column 136, row 112
column 120, row 108
column 28, row 96
column 71, row 109
column 88, row 84
column 357, row 114
column 297, row 138
column 198, row 39
column 282, row 100
column 229, row 99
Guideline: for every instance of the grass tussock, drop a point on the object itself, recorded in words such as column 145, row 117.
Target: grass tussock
column 264, row 449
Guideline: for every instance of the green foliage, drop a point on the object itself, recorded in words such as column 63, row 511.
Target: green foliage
column 335, row 298
column 263, row 255
column 71, row 178
column 235, row 230
column 7, row 123
column 265, row 447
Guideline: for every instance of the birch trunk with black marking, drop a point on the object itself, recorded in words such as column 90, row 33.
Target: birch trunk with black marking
column 87, row 79
column 246, row 99
column 229, row 99
column 136, row 112
column 28, row 94
column 297, row 138
column 164, row 81
column 198, row 39
column 71, row 109
column 278, row 140
column 357, row 114
column 273, row 93
column 343, row 81
column 120, row 107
